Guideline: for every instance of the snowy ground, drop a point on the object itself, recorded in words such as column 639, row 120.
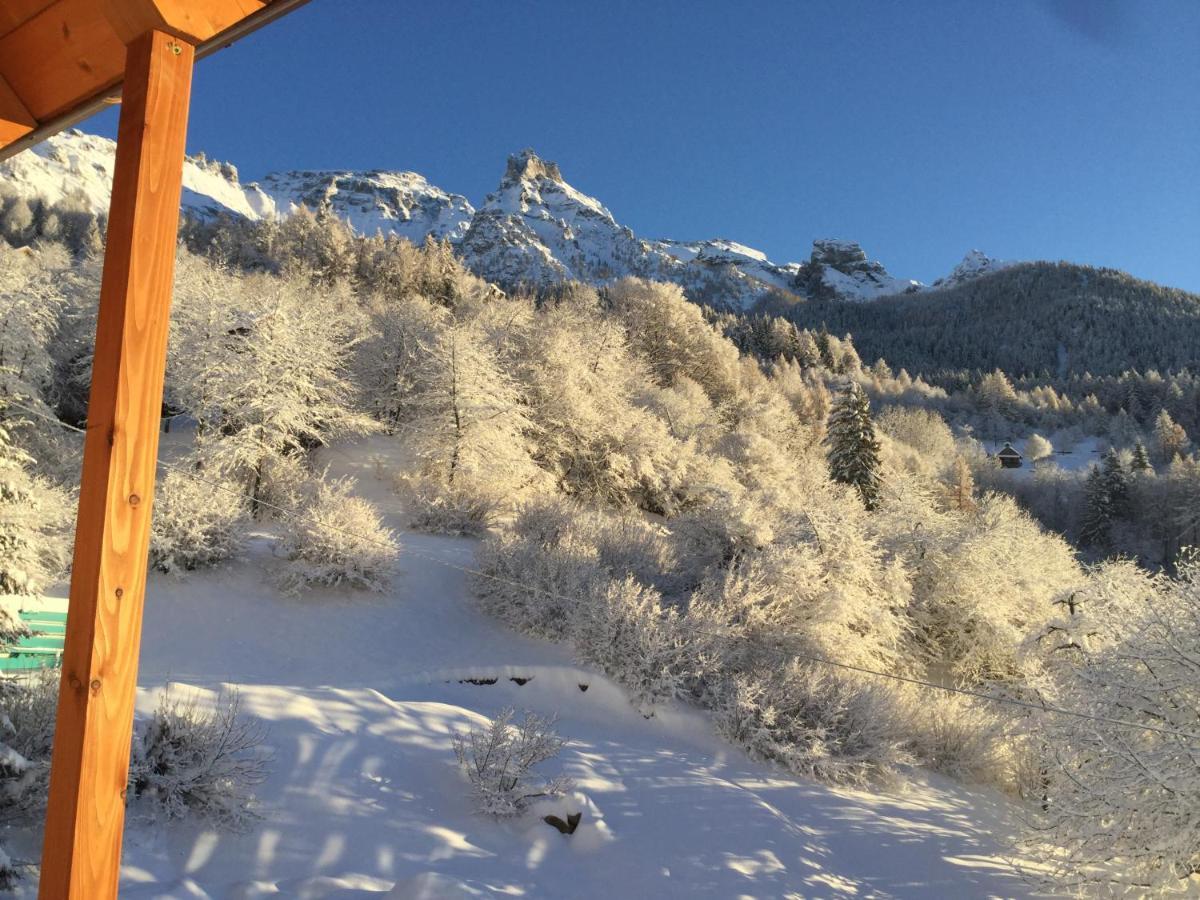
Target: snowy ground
column 362, row 694
column 1072, row 456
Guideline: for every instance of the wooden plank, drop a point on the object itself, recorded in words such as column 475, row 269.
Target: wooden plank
column 15, row 120
column 65, row 53
column 17, row 12
column 26, row 663
column 192, row 20
column 89, row 766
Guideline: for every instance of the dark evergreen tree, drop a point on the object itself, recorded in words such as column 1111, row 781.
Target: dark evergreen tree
column 853, row 446
column 1141, row 459
column 1097, row 510
column 1116, row 483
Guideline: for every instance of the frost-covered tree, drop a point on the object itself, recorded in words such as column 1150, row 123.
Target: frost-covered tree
column 1170, row 440
column 980, row 580
column 1122, row 808
column 467, row 415
column 624, row 631
column 853, row 446
column 960, row 486
column 32, row 516
column 671, row 335
column 201, row 760
column 266, row 373
column 1037, row 447
column 32, row 283
column 28, row 703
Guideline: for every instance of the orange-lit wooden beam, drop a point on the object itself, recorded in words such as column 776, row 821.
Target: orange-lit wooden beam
column 15, row 120
column 89, row 767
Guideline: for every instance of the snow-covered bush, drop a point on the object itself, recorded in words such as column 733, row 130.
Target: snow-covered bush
column 624, row 631
column 1122, row 806
column 200, row 760
column 827, row 592
column 499, row 759
column 923, row 430
column 28, row 704
column 969, row 739
column 338, row 539
column 1037, row 447
column 537, row 570
column 981, row 581
column 33, row 516
column 556, row 556
column 446, row 509
column 816, row 723
column 195, row 524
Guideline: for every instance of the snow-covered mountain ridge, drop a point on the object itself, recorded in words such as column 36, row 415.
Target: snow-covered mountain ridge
column 535, row 228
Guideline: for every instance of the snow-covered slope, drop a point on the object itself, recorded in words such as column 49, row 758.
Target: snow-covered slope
column 362, row 695
column 401, row 203
column 79, row 166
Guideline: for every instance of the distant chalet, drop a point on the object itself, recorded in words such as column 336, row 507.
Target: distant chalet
column 1009, row 456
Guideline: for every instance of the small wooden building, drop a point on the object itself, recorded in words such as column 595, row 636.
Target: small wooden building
column 1010, row 457
column 61, row 61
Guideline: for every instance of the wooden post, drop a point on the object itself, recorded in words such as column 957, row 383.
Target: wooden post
column 90, row 763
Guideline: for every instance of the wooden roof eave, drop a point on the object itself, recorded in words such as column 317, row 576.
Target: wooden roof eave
column 111, row 93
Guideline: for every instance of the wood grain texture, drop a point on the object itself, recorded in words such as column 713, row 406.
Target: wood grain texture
column 193, row 20
column 66, row 52
column 17, row 12
column 89, row 766
column 15, row 120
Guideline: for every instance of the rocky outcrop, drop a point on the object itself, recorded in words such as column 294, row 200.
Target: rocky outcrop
column 841, row 270
column 400, row 203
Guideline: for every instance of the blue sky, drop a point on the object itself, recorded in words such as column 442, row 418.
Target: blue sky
column 1060, row 129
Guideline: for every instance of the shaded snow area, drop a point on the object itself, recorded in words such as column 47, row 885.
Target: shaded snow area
column 362, row 695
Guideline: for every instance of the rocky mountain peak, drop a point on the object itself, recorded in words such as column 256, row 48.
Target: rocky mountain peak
column 528, row 166
column 843, row 270
column 974, row 264
column 844, row 256
column 535, row 228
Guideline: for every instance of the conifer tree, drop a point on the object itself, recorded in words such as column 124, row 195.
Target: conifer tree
column 853, row 446
column 1169, row 438
column 1116, row 484
column 960, row 490
column 1097, row 510
column 1141, row 459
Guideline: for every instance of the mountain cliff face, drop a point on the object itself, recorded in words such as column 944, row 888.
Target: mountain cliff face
column 402, row 203
column 534, row 229
column 841, row 269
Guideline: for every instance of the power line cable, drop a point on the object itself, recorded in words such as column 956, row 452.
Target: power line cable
column 784, row 656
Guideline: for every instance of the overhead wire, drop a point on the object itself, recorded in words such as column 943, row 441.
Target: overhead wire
column 783, row 655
